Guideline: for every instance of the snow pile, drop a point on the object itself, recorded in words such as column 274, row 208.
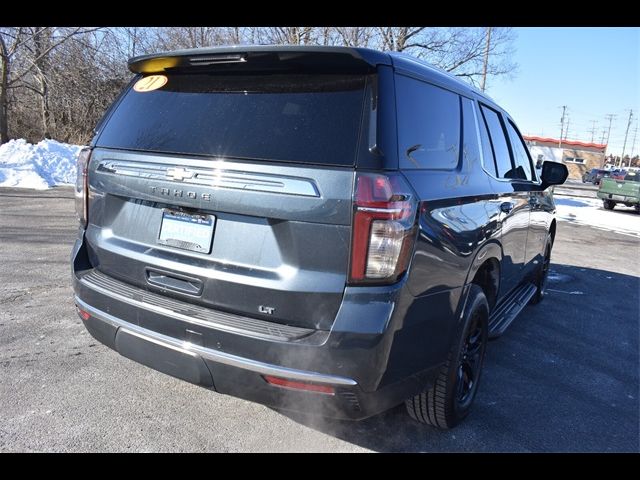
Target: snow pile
column 589, row 211
column 38, row 166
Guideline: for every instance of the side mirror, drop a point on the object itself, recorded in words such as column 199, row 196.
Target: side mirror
column 553, row 173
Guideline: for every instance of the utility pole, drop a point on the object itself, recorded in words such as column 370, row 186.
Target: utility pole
column 593, row 129
column 604, row 157
column 604, row 133
column 564, row 109
column 566, row 130
column 609, row 117
column 486, row 59
column 633, row 144
column 625, row 138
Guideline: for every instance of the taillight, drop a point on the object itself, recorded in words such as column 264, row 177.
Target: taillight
column 82, row 185
column 383, row 228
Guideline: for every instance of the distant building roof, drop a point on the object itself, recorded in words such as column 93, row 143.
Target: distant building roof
column 573, row 143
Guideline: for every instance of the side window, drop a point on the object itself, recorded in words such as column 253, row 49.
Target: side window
column 487, row 149
column 428, row 125
column 498, row 143
column 520, row 155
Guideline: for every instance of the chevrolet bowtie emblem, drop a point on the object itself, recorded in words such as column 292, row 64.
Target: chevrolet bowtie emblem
column 178, row 174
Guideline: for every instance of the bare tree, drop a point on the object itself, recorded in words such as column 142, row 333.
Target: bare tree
column 57, row 81
column 354, row 36
column 289, row 35
column 460, row 51
column 10, row 41
column 25, row 65
column 399, row 38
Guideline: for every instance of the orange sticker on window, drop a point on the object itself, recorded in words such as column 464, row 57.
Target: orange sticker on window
column 152, row 82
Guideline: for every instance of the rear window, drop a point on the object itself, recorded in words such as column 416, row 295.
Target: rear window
column 290, row 118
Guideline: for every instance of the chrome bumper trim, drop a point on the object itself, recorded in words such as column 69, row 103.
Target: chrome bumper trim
column 214, row 355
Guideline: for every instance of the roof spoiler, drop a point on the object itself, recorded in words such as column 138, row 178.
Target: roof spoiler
column 260, row 58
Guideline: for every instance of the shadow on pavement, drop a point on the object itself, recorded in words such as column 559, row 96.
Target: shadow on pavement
column 564, row 377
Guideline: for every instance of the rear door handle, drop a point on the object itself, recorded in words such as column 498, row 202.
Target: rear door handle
column 506, row 207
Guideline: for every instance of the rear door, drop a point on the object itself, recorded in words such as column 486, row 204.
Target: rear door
column 512, row 194
column 232, row 191
column 527, row 181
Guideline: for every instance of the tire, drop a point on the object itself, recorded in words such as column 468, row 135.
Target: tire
column 543, row 274
column 608, row 204
column 449, row 401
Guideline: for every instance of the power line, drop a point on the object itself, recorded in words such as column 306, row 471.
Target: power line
column 625, row 138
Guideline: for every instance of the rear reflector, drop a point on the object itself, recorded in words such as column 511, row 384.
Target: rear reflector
column 309, row 387
column 83, row 314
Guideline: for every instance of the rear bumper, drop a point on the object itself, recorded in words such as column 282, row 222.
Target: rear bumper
column 355, row 358
column 109, row 322
column 618, row 197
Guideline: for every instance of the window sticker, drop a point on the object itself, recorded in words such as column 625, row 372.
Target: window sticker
column 150, row 83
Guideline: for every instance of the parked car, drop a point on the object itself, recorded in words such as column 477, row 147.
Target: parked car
column 332, row 230
column 618, row 174
column 595, row 175
column 626, row 191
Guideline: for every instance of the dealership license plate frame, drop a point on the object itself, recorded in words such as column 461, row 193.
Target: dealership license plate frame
column 187, row 231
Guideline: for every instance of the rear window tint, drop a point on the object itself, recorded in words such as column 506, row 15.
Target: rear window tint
column 428, row 125
column 520, row 155
column 499, row 143
column 290, row 118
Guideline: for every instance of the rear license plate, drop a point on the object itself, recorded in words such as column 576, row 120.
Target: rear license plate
column 187, row 231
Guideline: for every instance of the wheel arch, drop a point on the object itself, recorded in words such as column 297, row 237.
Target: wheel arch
column 485, row 271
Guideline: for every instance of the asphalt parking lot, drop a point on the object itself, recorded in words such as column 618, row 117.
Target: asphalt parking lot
column 565, row 376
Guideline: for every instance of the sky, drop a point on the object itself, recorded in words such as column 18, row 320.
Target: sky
column 593, row 71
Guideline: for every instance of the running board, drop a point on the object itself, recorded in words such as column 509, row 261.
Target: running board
column 509, row 309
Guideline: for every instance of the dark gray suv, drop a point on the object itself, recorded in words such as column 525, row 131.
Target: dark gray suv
column 329, row 230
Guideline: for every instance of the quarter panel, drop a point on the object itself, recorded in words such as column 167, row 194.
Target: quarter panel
column 458, row 214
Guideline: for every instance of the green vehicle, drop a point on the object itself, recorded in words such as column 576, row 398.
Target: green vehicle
column 627, row 191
